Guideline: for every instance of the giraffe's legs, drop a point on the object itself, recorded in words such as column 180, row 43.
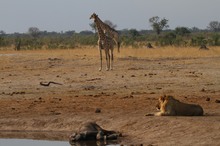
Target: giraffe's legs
column 112, row 60
column 107, row 59
column 117, row 41
column 117, row 44
column 100, row 51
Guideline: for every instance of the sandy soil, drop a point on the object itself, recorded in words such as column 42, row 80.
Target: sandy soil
column 123, row 95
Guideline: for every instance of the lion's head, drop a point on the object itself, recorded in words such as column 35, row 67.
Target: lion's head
column 162, row 100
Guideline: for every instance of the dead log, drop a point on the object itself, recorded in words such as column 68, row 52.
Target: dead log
column 48, row 84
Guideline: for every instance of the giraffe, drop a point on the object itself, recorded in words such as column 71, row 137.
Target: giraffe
column 110, row 31
column 106, row 43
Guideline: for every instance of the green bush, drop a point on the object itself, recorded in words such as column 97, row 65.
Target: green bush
column 51, row 40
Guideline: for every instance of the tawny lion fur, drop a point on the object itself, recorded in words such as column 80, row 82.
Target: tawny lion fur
column 169, row 106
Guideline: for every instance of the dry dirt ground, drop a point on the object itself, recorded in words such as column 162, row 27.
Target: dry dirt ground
column 123, row 96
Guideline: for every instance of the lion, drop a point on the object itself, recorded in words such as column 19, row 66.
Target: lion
column 92, row 131
column 169, row 106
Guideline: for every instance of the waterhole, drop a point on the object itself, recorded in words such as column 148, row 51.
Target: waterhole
column 39, row 138
column 28, row 142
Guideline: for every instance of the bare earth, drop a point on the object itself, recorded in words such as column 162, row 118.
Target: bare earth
column 124, row 96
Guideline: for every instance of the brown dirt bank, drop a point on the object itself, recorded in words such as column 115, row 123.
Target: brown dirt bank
column 124, row 95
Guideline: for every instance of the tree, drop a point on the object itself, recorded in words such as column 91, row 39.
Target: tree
column 86, row 32
column 194, row 29
column 168, row 39
column 92, row 25
column 34, row 32
column 34, row 42
column 215, row 39
column 157, row 24
column 70, row 32
column 134, row 33
column 182, row 31
column 214, row 26
column 2, row 33
column 108, row 22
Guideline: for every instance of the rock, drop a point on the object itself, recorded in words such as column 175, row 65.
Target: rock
column 98, row 110
column 207, row 99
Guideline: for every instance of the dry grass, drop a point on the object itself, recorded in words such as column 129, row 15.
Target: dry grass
column 164, row 52
column 170, row 52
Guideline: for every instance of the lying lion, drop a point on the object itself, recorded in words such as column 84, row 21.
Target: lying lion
column 169, row 106
column 92, row 131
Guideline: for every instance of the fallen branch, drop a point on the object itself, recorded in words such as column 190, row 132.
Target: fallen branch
column 93, row 79
column 48, row 84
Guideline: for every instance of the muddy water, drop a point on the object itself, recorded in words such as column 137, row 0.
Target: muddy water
column 39, row 138
column 27, row 142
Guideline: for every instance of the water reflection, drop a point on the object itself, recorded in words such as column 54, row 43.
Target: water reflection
column 26, row 142
column 96, row 143
column 45, row 138
column 36, row 135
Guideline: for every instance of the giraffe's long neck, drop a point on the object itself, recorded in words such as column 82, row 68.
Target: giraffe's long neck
column 105, row 26
column 100, row 31
column 101, row 24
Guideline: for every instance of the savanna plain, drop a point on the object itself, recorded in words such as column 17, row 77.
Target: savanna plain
column 116, row 100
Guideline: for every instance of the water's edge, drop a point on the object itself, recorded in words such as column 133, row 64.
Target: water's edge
column 43, row 138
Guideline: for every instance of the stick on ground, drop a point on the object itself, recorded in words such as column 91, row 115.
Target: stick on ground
column 48, row 84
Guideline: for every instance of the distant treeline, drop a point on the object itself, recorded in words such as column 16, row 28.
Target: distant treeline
column 36, row 39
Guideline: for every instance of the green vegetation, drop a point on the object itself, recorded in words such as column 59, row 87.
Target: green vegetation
column 180, row 36
column 157, row 24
